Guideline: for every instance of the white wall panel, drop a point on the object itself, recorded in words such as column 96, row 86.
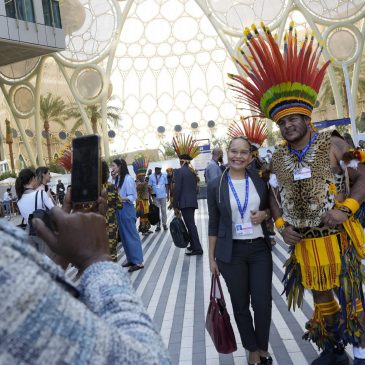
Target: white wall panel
column 2, row 7
column 4, row 32
column 27, row 32
column 13, row 29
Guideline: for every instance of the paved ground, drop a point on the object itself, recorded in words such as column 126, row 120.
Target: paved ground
column 175, row 289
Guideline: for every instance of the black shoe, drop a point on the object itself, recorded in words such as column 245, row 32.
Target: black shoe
column 266, row 360
column 158, row 229
column 135, row 268
column 127, row 264
column 193, row 253
column 188, row 249
column 330, row 357
column 165, row 227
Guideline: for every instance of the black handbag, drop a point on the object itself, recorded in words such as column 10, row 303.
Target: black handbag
column 179, row 233
column 154, row 214
column 38, row 213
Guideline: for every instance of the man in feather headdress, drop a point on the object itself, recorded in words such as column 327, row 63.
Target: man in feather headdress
column 185, row 200
column 142, row 202
column 314, row 208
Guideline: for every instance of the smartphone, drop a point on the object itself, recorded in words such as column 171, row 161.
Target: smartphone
column 86, row 169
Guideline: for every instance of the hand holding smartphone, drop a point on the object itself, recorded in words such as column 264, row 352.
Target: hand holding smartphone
column 86, row 170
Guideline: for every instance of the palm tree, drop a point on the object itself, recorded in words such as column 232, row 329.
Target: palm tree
column 52, row 110
column 169, row 151
column 93, row 112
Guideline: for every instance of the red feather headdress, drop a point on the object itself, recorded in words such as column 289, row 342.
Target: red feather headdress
column 66, row 159
column 252, row 128
column 279, row 84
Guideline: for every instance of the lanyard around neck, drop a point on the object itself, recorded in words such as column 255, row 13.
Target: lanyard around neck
column 241, row 210
column 301, row 154
column 158, row 177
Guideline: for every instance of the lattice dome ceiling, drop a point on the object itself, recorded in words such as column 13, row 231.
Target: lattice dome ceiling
column 169, row 70
column 164, row 62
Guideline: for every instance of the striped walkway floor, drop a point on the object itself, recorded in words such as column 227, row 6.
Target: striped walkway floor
column 175, row 290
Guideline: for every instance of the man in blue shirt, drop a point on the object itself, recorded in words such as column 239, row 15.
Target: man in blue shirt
column 158, row 186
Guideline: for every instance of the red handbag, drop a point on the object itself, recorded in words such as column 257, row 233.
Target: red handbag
column 217, row 321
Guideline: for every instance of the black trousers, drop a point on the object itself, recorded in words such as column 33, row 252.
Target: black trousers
column 188, row 215
column 249, row 278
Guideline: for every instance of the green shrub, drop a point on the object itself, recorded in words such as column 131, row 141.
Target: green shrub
column 54, row 167
column 7, row 174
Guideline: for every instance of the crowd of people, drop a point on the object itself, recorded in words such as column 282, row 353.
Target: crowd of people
column 311, row 188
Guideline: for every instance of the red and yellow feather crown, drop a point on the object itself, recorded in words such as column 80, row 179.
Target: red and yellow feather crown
column 252, row 128
column 185, row 147
column 279, row 84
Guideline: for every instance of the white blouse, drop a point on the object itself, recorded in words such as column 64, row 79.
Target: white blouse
column 26, row 203
column 253, row 204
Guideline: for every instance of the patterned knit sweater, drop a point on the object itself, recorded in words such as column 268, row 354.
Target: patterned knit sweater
column 45, row 320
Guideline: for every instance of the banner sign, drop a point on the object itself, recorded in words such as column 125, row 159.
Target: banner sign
column 329, row 123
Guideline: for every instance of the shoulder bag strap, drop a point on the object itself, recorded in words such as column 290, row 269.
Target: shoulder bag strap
column 220, row 290
column 36, row 200
column 212, row 288
column 43, row 206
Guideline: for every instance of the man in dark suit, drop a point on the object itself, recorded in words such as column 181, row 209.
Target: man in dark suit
column 185, row 202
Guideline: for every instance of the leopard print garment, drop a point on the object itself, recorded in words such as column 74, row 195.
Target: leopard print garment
column 304, row 201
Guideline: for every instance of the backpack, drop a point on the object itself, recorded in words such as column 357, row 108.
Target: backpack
column 38, row 213
column 179, row 233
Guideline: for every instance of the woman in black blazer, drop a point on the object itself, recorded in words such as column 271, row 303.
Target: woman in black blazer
column 239, row 246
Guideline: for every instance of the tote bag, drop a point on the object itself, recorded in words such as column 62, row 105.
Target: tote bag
column 217, row 321
column 154, row 214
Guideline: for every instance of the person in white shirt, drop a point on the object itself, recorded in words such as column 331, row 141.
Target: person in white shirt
column 6, row 203
column 25, row 187
column 43, row 176
column 240, row 248
column 158, row 191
